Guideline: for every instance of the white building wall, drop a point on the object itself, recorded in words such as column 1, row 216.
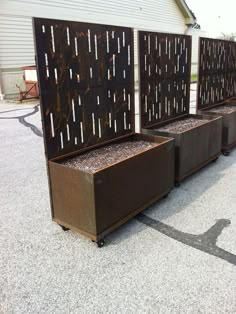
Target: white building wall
column 196, row 34
column 16, row 37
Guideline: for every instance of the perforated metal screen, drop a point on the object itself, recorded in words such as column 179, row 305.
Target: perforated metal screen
column 165, row 65
column 231, row 71
column 217, row 72
column 85, row 73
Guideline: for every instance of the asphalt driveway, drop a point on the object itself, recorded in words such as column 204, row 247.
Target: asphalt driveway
column 179, row 256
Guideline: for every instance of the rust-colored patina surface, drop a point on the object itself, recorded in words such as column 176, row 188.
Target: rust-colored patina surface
column 86, row 82
column 217, row 85
column 165, row 61
column 97, row 203
column 86, row 75
column 165, row 71
column 217, row 72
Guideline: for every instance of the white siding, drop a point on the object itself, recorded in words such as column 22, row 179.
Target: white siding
column 195, row 33
column 16, row 39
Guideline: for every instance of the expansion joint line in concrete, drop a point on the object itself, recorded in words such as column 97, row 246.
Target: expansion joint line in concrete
column 22, row 120
column 205, row 242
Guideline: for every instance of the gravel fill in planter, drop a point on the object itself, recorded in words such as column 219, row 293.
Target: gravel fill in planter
column 224, row 109
column 182, row 125
column 106, row 156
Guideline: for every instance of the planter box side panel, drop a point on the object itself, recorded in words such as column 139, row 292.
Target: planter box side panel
column 73, row 197
column 131, row 185
column 177, row 139
column 229, row 129
column 215, row 136
column 229, row 126
column 199, row 145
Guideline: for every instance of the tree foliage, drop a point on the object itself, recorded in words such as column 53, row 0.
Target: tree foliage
column 231, row 37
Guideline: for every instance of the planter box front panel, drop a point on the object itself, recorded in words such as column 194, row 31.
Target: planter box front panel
column 131, row 185
column 73, row 198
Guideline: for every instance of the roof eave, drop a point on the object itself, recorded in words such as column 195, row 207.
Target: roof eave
column 190, row 20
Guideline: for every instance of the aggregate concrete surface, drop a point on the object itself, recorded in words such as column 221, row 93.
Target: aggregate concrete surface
column 179, row 256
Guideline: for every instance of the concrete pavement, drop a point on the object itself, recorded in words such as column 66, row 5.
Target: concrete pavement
column 152, row 264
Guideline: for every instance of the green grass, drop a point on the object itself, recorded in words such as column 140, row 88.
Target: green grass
column 193, row 77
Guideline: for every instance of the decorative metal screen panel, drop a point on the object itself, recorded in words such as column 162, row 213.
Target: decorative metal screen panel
column 217, row 72
column 231, row 71
column 165, row 65
column 85, row 73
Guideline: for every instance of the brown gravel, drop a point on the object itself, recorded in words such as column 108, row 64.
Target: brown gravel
column 224, row 109
column 105, row 156
column 182, row 125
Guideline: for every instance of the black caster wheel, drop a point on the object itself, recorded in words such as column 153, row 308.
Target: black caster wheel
column 177, row 184
column 226, row 153
column 215, row 160
column 100, row 243
column 64, row 228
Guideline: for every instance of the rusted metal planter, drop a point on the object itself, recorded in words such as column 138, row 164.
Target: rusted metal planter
column 228, row 130
column 216, row 85
column 194, row 148
column 96, row 204
column 86, row 76
column 165, row 72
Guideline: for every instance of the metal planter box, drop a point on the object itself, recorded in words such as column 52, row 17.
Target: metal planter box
column 87, row 101
column 216, row 85
column 165, row 67
column 196, row 147
column 95, row 204
column 229, row 129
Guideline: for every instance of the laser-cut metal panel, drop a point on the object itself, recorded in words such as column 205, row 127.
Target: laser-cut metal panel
column 231, row 71
column 213, row 59
column 231, row 60
column 165, row 65
column 217, row 72
column 85, row 73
